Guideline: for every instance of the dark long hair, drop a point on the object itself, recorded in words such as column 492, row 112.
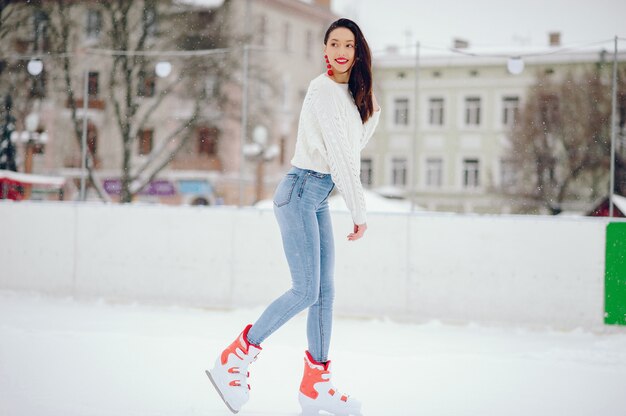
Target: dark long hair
column 360, row 83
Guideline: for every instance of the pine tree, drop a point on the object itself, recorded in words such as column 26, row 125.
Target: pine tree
column 7, row 149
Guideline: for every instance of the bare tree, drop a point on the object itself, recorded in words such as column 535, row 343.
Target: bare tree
column 17, row 86
column 562, row 138
column 133, row 30
column 7, row 22
column 14, row 76
column 62, row 30
column 132, row 37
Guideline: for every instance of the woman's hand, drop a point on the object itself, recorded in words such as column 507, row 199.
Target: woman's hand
column 359, row 230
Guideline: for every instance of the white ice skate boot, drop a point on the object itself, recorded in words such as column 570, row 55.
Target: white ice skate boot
column 230, row 373
column 317, row 392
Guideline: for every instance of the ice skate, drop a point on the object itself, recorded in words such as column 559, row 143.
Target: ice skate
column 317, row 392
column 230, row 373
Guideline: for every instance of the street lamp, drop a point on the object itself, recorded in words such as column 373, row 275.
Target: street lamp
column 163, row 69
column 244, row 111
column 515, row 65
column 31, row 122
column 34, row 67
column 260, row 152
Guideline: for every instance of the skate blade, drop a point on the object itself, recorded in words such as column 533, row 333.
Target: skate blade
column 208, row 373
column 319, row 412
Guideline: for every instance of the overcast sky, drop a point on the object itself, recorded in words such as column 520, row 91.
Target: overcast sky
column 485, row 22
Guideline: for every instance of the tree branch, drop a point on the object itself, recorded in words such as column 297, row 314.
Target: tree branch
column 65, row 34
column 173, row 153
column 155, row 104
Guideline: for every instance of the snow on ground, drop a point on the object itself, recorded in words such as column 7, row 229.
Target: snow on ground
column 65, row 357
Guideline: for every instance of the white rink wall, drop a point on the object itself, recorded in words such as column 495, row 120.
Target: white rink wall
column 504, row 270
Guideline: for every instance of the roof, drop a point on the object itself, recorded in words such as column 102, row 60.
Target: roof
column 210, row 4
column 373, row 201
column 496, row 55
column 620, row 202
column 28, row 178
column 307, row 7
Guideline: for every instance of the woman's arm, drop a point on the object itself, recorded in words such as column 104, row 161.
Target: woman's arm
column 331, row 116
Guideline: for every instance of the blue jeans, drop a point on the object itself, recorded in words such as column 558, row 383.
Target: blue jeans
column 301, row 208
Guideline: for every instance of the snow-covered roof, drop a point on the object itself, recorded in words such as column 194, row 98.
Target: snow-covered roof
column 490, row 55
column 209, row 4
column 373, row 201
column 32, row 179
column 620, row 202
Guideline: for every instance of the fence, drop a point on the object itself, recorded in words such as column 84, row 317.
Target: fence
column 510, row 270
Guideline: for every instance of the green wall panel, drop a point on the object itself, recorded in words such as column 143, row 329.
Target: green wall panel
column 615, row 275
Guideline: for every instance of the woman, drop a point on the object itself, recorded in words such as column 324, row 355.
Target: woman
column 339, row 115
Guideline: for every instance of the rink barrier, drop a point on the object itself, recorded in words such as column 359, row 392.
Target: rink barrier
column 534, row 271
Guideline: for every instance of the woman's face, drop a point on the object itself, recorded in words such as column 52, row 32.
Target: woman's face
column 341, row 49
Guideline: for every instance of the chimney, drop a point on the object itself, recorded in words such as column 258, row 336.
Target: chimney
column 460, row 43
column 322, row 3
column 554, row 38
column 392, row 49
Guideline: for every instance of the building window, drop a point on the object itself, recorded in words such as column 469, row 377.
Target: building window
column 145, row 138
column 510, row 110
column 150, row 21
column 283, row 149
column 434, row 172
column 262, row 30
column 308, row 47
column 366, row 172
column 146, row 84
column 472, row 111
column 288, row 40
column 92, row 139
column 92, row 88
column 435, row 111
column 207, row 141
column 210, row 85
column 41, row 42
column 398, row 171
column 507, row 174
column 38, row 86
column 549, row 109
column 286, row 90
column 401, row 111
column 471, row 173
column 94, row 24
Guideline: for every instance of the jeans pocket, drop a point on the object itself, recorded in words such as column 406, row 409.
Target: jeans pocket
column 282, row 196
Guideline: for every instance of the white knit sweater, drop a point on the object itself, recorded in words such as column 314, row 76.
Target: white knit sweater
column 330, row 138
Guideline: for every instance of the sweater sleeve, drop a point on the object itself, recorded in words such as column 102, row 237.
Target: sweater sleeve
column 331, row 117
column 369, row 127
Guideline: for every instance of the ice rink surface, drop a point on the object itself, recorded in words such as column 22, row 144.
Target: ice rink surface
column 67, row 357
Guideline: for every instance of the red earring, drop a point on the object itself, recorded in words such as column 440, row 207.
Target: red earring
column 330, row 71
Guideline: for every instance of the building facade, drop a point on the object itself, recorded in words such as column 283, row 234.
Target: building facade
column 447, row 143
column 284, row 39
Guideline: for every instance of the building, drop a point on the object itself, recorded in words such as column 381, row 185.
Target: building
column 209, row 166
column 451, row 145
